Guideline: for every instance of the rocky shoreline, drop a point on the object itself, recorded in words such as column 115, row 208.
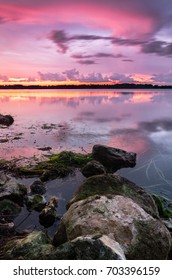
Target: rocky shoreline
column 108, row 217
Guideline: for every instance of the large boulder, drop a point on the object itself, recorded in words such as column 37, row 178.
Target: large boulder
column 13, row 190
column 6, row 120
column 112, row 158
column 112, row 184
column 35, row 246
column 120, row 218
column 89, row 247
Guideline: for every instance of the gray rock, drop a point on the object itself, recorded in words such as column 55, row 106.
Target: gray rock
column 48, row 215
column 35, row 202
column 112, row 158
column 13, row 190
column 112, row 184
column 35, row 246
column 3, row 178
column 37, row 187
column 139, row 234
column 6, row 120
column 93, row 168
column 89, row 248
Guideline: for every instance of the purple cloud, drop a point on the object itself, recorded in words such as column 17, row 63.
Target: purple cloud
column 158, row 47
column 51, row 76
column 86, row 61
column 71, row 74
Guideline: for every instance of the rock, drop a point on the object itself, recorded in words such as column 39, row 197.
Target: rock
column 6, row 120
column 35, row 202
column 3, row 178
column 93, row 168
column 6, row 228
column 35, row 246
column 13, row 190
column 112, row 158
column 45, row 148
column 119, row 217
column 48, row 215
column 37, row 187
column 89, row 248
column 112, row 184
column 9, row 210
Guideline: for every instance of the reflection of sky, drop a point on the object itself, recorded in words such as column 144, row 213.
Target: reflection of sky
column 134, row 121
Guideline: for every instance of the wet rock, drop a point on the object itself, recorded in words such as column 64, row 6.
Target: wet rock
column 9, row 210
column 6, row 120
column 89, row 248
column 6, row 228
column 112, row 158
column 49, row 175
column 35, row 246
column 3, row 178
column 13, row 190
column 139, row 234
column 48, row 215
column 112, row 184
column 37, row 187
column 45, row 148
column 93, row 168
column 35, row 202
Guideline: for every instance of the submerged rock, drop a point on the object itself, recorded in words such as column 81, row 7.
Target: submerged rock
column 93, row 168
column 35, row 246
column 112, row 184
column 13, row 190
column 89, row 247
column 37, row 187
column 48, row 215
column 120, row 218
column 35, row 202
column 112, row 158
column 6, row 120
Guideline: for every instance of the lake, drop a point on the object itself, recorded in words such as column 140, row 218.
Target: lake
column 136, row 121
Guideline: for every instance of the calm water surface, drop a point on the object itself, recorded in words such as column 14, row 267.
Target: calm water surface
column 137, row 121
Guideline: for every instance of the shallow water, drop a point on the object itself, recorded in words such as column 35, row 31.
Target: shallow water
column 137, row 121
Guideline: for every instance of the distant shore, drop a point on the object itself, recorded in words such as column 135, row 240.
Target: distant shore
column 87, row 86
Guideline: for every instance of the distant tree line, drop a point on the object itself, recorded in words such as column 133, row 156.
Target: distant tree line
column 88, row 86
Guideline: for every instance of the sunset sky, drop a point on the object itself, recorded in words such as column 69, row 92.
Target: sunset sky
column 86, row 41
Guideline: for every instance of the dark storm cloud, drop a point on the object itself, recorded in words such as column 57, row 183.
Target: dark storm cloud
column 158, row 47
column 62, row 39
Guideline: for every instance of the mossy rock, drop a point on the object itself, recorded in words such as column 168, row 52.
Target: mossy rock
column 35, row 246
column 58, row 165
column 9, row 210
column 164, row 211
column 151, row 243
column 35, row 202
column 110, row 185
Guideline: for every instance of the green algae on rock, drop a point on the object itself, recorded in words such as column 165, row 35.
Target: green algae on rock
column 35, row 246
column 111, row 184
column 57, row 165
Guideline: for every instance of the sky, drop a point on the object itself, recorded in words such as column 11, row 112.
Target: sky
column 69, row 41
